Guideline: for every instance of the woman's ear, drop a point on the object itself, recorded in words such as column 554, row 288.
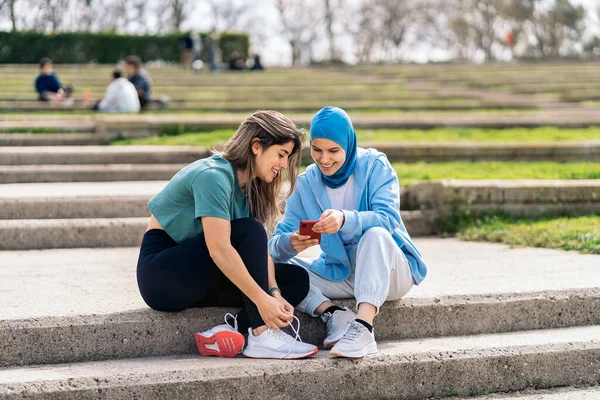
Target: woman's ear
column 256, row 146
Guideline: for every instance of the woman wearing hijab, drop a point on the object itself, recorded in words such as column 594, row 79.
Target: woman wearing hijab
column 366, row 252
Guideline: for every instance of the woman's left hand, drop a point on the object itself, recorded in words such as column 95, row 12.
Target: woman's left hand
column 287, row 306
column 329, row 222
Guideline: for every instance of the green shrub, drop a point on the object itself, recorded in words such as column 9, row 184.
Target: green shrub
column 104, row 48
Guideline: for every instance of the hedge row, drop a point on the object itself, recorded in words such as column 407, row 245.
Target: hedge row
column 103, row 48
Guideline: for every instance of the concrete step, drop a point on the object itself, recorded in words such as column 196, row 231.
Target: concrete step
column 530, row 198
column 146, row 333
column 436, row 152
column 561, row 393
column 96, row 311
column 27, row 234
column 57, row 139
column 77, row 199
column 61, row 124
column 412, row 369
column 87, row 173
column 71, row 233
column 399, row 151
column 73, row 155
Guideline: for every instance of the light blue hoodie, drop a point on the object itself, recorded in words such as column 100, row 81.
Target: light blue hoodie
column 377, row 204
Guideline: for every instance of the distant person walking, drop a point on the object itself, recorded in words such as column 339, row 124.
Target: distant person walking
column 140, row 78
column 212, row 50
column 47, row 84
column 121, row 96
column 186, row 46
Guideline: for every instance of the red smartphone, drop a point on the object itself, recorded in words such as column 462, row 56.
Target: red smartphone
column 306, row 229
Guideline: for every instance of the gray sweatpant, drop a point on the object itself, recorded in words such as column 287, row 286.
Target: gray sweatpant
column 381, row 273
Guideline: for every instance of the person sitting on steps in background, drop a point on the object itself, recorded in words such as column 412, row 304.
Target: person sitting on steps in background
column 140, row 79
column 47, row 84
column 120, row 96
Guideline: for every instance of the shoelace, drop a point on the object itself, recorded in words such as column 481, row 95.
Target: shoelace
column 278, row 333
column 235, row 324
column 329, row 322
column 353, row 332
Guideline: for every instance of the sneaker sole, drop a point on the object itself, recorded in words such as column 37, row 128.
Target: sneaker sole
column 328, row 344
column 267, row 356
column 228, row 344
column 370, row 349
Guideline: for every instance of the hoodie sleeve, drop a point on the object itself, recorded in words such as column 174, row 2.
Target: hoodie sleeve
column 383, row 201
column 280, row 246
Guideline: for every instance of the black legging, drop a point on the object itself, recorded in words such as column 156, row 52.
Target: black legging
column 175, row 277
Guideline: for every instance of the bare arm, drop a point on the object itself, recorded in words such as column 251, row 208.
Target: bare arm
column 217, row 233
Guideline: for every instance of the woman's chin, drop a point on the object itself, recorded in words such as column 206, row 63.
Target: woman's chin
column 327, row 172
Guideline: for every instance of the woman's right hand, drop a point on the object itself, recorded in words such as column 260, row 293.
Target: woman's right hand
column 273, row 312
column 302, row 242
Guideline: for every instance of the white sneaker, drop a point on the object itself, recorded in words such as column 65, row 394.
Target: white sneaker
column 275, row 343
column 336, row 325
column 356, row 342
column 222, row 341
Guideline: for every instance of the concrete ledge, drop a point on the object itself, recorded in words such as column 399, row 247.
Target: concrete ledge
column 435, row 152
column 87, row 173
column 420, row 369
column 101, row 155
column 56, row 139
column 396, row 152
column 520, row 198
column 147, row 125
column 27, row 234
column 146, row 333
column 78, row 207
column 71, row 233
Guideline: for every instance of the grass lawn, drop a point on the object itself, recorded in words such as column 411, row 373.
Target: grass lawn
column 565, row 233
column 32, row 130
column 543, row 134
column 410, row 172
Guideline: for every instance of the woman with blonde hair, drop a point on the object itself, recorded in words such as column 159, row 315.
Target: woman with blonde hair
column 206, row 244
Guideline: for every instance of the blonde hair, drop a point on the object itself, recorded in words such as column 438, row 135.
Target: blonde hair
column 270, row 128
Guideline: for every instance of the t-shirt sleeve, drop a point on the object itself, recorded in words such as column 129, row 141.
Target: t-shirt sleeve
column 212, row 190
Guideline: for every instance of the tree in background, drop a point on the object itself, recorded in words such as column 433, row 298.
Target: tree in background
column 549, row 29
column 476, row 26
column 397, row 17
column 8, row 7
column 228, row 15
column 360, row 22
column 329, row 18
column 300, row 22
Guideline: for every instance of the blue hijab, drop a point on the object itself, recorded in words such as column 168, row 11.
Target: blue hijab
column 332, row 123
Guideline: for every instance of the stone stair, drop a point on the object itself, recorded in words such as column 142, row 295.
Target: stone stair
column 73, row 325
column 475, row 325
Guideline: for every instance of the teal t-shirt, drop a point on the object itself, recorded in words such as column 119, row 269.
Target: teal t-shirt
column 205, row 188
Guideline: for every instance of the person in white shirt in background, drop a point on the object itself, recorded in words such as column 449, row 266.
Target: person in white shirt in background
column 120, row 96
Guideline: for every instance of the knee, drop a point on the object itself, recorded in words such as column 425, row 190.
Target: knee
column 294, row 281
column 376, row 234
column 249, row 227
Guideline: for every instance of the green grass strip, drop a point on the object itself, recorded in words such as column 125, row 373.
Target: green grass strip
column 410, row 172
column 32, row 130
column 542, row 134
column 565, row 233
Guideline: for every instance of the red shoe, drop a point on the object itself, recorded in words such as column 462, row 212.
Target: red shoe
column 222, row 341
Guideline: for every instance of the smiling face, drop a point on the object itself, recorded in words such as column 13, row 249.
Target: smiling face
column 328, row 155
column 271, row 161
